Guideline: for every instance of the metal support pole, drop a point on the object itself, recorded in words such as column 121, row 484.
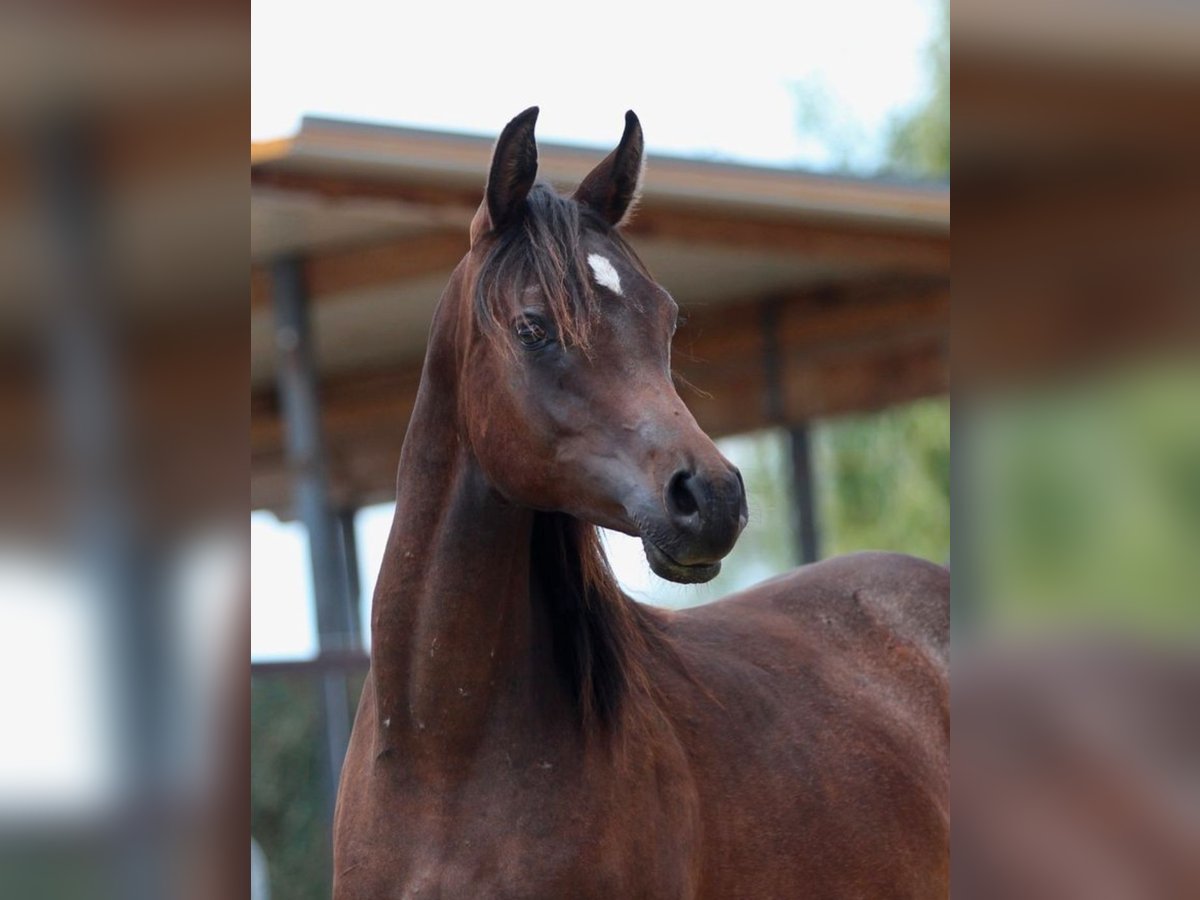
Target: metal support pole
column 346, row 519
column 306, row 460
column 964, row 583
column 804, row 517
column 803, row 495
column 773, row 405
column 337, row 627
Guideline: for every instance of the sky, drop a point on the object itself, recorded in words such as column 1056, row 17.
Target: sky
column 712, row 80
column 715, row 81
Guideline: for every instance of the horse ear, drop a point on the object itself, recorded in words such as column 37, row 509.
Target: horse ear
column 514, row 168
column 613, row 187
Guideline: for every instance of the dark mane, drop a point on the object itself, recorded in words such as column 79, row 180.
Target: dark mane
column 601, row 636
column 543, row 249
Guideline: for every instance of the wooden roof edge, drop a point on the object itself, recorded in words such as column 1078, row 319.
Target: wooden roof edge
column 266, row 151
column 391, row 153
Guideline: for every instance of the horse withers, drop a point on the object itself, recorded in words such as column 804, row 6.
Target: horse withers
column 528, row 730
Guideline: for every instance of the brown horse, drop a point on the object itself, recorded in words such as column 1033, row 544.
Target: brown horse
column 527, row 730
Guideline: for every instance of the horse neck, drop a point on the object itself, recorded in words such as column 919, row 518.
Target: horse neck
column 456, row 640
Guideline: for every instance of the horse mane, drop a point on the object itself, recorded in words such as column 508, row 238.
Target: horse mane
column 543, row 249
column 601, row 637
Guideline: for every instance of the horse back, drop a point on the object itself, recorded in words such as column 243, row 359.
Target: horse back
column 862, row 597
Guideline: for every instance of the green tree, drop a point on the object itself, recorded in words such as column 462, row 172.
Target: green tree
column 919, row 139
column 286, row 788
column 883, row 481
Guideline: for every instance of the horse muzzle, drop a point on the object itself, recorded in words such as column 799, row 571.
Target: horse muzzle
column 705, row 512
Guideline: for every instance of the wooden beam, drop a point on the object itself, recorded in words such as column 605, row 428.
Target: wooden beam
column 819, row 322
column 339, row 271
column 340, row 187
column 880, row 245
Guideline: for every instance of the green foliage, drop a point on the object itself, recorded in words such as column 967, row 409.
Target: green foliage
column 919, row 142
column 883, row 481
column 287, row 812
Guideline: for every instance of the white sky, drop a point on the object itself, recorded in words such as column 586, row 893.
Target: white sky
column 704, row 79
column 714, row 81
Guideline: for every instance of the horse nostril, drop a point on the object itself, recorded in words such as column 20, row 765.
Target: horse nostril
column 680, row 499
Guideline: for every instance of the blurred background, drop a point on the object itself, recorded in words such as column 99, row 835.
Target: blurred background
column 796, row 205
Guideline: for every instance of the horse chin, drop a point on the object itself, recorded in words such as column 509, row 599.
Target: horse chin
column 664, row 567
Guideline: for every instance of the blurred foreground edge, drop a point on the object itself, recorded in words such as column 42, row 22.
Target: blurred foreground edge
column 1076, row 744
column 123, row 619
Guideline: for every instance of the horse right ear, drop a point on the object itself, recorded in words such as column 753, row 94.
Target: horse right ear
column 612, row 188
column 514, row 168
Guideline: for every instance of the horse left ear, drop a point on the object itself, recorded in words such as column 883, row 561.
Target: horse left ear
column 613, row 187
column 514, row 168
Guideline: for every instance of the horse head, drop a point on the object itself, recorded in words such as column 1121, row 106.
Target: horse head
column 566, row 395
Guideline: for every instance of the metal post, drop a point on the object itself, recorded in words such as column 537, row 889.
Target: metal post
column 964, row 583
column 336, row 625
column 306, row 461
column 804, row 517
column 803, row 496
column 773, row 405
column 353, row 583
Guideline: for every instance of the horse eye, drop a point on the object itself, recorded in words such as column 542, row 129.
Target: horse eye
column 532, row 334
